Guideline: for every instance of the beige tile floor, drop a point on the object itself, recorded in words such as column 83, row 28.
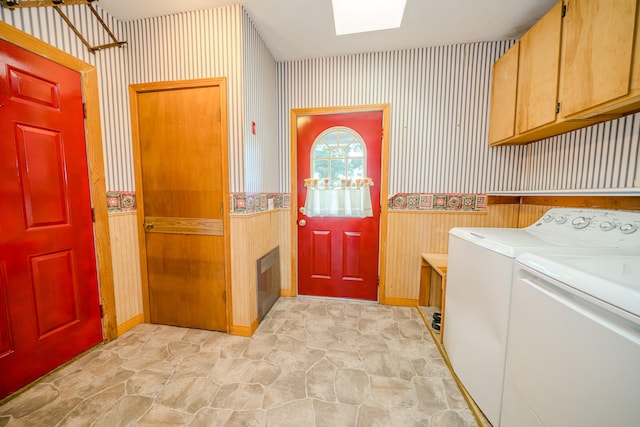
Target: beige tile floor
column 312, row 362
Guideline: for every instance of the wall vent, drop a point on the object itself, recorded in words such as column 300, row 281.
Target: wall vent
column 268, row 281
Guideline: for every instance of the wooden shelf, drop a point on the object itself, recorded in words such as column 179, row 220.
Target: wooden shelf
column 434, row 272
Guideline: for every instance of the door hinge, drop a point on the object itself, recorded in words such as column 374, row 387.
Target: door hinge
column 378, row 281
column 224, row 296
column 557, row 108
column 93, row 215
column 564, row 10
column 101, row 311
column 84, row 110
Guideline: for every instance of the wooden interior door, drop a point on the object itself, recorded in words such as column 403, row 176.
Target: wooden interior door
column 338, row 256
column 49, row 302
column 183, row 187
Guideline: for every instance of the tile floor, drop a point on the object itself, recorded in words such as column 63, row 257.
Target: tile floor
column 312, row 362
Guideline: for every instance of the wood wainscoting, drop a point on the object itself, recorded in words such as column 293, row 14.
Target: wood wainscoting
column 126, row 269
column 411, row 233
column 252, row 236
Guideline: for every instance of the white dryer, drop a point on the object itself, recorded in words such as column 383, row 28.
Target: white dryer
column 479, row 282
column 573, row 353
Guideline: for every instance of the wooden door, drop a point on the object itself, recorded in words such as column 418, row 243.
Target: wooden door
column 538, row 72
column 503, row 96
column 49, row 302
column 183, row 181
column 597, row 47
column 338, row 256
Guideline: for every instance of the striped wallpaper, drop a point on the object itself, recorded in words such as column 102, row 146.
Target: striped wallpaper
column 112, row 65
column 260, row 107
column 439, row 100
column 603, row 156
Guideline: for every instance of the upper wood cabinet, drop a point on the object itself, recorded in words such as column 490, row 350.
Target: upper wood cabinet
column 582, row 60
column 597, row 57
column 538, row 72
column 503, row 96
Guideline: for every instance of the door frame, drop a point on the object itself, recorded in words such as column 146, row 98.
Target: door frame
column 134, row 90
column 293, row 155
column 93, row 132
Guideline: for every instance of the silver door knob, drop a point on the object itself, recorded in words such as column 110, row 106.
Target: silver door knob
column 302, row 223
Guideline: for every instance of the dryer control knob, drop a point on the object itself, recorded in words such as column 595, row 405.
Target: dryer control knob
column 581, row 222
column 628, row 228
column 547, row 218
column 561, row 220
column 607, row 226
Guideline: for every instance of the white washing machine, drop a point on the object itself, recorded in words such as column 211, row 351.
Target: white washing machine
column 573, row 353
column 479, row 282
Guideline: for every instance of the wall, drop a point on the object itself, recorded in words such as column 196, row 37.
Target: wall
column 260, row 107
column 255, row 235
column 411, row 233
column 439, row 122
column 605, row 156
column 439, row 100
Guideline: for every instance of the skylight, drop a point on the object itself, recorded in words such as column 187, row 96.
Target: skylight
column 359, row 16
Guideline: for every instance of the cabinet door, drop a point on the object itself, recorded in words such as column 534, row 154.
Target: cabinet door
column 538, row 72
column 503, row 96
column 596, row 53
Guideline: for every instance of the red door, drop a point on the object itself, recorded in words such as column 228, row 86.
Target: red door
column 338, row 254
column 49, row 303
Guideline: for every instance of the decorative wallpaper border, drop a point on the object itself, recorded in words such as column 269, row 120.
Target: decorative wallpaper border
column 247, row 203
column 438, row 202
column 121, row 201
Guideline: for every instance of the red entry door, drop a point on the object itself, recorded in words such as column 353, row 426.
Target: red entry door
column 337, row 255
column 49, row 302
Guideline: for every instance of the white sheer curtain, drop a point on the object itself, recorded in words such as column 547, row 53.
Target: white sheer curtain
column 350, row 198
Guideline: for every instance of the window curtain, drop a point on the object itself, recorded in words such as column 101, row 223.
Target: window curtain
column 348, row 198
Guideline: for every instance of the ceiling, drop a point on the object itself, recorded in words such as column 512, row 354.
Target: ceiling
column 302, row 29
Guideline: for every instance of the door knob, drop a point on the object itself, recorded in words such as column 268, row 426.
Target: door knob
column 148, row 226
column 302, row 223
column 301, row 210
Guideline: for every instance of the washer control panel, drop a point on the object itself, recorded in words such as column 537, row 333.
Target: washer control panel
column 608, row 226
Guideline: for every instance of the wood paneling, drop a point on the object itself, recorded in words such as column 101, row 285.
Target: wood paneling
column 253, row 236
column 411, row 233
column 126, row 269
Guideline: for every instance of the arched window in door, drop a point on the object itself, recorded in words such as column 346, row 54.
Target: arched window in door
column 338, row 185
column 338, row 154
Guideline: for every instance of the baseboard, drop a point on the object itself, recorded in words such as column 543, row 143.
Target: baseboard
column 403, row 302
column 244, row 331
column 288, row 293
column 130, row 324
